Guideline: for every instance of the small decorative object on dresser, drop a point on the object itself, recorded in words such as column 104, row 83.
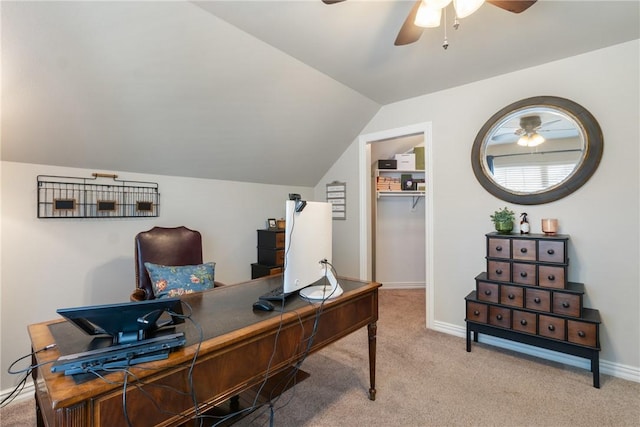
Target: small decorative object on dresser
column 503, row 220
column 549, row 226
column 524, row 224
column 272, row 224
column 525, row 296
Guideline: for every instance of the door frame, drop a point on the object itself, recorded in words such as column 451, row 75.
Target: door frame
column 364, row 160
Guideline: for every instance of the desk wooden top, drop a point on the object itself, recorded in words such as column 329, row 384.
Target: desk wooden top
column 224, row 314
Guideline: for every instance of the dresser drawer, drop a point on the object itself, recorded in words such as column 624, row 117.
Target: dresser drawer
column 524, row 321
column 567, row 304
column 259, row 270
column 498, row 247
column 512, row 295
column 524, row 249
column 538, row 299
column 271, row 239
column 271, row 256
column 582, row 333
column 499, row 270
column 477, row 312
column 487, row 291
column 552, row 251
column 552, row 276
column 524, row 274
column 551, row 327
column 500, row 316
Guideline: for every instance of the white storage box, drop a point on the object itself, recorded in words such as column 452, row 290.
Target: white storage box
column 406, row 161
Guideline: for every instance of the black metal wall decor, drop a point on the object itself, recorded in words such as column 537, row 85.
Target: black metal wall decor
column 73, row 197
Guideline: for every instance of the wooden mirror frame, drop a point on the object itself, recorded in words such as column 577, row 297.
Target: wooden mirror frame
column 594, row 145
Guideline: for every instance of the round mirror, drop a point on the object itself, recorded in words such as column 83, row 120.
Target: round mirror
column 537, row 150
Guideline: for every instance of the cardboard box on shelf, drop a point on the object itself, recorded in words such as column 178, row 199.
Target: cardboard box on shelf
column 406, row 161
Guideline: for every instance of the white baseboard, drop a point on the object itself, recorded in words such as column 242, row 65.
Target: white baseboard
column 403, row 285
column 26, row 393
column 630, row 373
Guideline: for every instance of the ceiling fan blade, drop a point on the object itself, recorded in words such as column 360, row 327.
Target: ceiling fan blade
column 409, row 32
column 332, row 1
column 515, row 6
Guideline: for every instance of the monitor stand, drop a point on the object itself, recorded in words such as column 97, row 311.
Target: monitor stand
column 323, row 292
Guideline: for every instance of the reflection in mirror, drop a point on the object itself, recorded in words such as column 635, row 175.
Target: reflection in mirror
column 533, row 149
column 537, row 150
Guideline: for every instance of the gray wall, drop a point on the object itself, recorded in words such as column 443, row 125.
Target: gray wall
column 601, row 218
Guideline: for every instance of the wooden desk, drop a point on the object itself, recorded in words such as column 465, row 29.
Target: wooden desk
column 234, row 355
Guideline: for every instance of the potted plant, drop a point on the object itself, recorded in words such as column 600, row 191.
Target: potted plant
column 503, row 220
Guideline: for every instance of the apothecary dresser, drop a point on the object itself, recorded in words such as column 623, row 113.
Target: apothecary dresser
column 525, row 296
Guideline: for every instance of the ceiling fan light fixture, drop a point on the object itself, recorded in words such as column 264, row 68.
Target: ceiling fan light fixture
column 535, row 139
column 428, row 16
column 465, row 8
column 531, row 140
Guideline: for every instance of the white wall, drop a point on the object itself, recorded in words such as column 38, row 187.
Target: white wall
column 602, row 218
column 53, row 263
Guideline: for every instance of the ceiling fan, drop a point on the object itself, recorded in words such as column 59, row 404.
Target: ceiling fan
column 529, row 132
column 411, row 31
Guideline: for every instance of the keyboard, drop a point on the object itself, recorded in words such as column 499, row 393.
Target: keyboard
column 276, row 294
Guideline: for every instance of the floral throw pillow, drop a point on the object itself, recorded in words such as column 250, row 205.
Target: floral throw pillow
column 173, row 281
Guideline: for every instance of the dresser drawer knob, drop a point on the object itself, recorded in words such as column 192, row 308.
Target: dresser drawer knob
column 511, row 296
column 581, row 334
column 476, row 313
column 523, row 250
column 487, row 292
column 523, row 274
column 499, row 248
column 536, row 300
column 499, row 317
column 498, row 271
column 551, row 328
column 551, row 277
column 565, row 304
column 523, row 322
column 551, row 251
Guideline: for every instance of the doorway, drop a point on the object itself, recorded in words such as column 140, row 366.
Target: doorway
column 421, row 131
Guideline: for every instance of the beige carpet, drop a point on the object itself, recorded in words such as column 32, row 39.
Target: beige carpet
column 426, row 378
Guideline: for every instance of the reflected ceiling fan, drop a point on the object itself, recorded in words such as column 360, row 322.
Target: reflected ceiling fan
column 426, row 14
column 528, row 134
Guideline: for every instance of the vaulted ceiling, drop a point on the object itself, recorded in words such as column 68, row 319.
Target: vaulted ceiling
column 257, row 91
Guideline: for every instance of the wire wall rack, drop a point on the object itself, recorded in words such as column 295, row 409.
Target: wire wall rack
column 73, row 197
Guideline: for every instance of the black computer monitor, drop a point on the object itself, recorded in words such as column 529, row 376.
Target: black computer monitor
column 125, row 322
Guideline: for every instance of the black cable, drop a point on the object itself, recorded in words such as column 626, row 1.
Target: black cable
column 26, row 371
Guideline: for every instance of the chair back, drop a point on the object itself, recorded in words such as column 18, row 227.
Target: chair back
column 165, row 246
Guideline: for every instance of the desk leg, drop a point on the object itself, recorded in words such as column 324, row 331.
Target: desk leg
column 372, row 328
